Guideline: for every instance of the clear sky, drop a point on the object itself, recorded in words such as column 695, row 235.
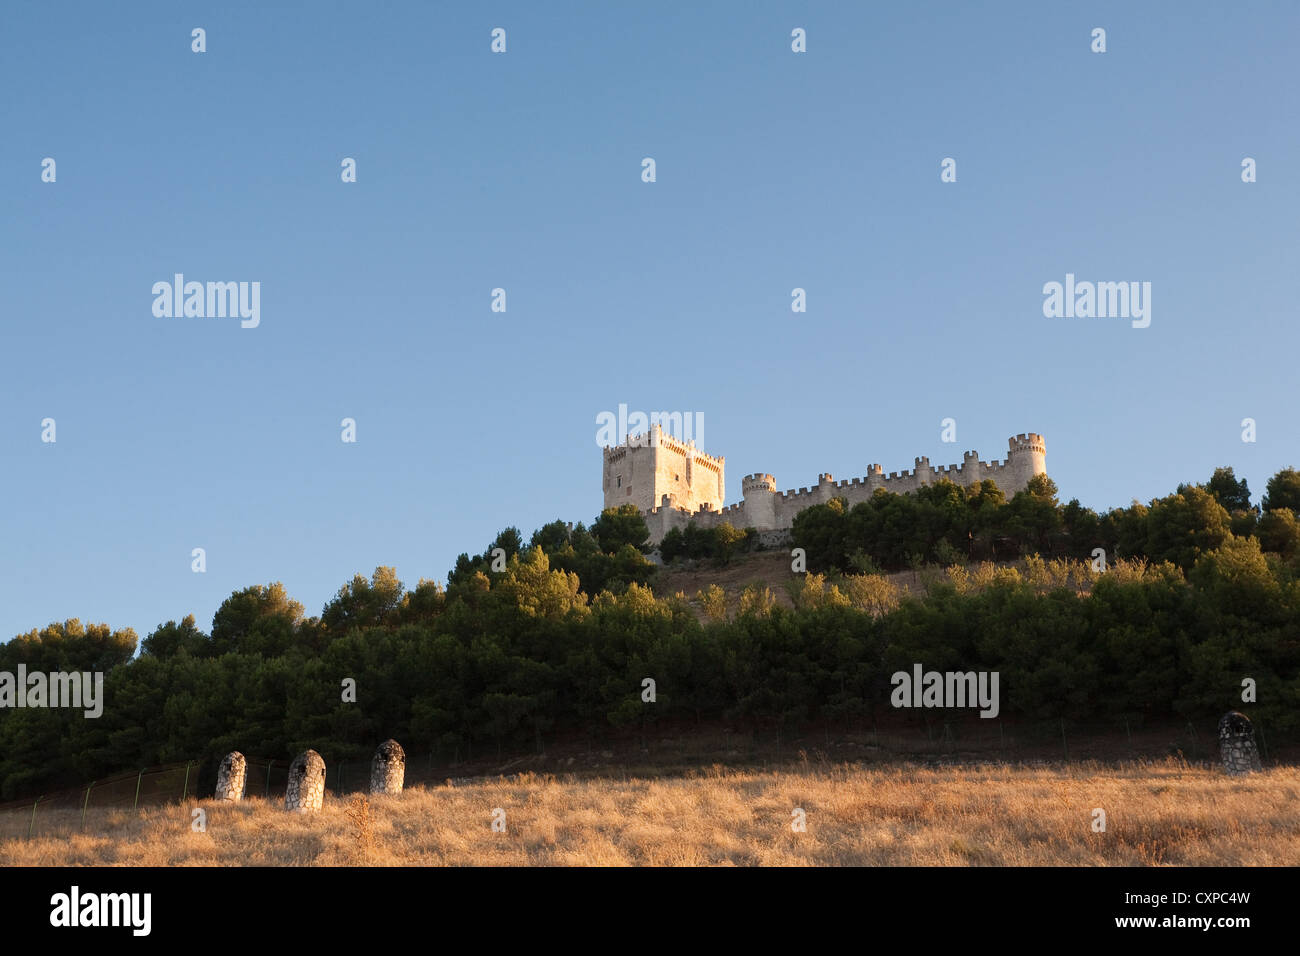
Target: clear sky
column 522, row 171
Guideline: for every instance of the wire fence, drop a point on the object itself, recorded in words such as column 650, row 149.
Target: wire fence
column 149, row 786
column 267, row 778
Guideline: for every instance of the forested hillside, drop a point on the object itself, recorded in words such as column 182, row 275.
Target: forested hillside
column 557, row 634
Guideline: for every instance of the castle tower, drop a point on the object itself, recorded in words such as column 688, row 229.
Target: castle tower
column 648, row 466
column 875, row 477
column 760, row 500
column 825, row 487
column 921, row 468
column 1027, row 457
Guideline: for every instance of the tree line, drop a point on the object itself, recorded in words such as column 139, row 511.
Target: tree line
column 945, row 523
column 557, row 635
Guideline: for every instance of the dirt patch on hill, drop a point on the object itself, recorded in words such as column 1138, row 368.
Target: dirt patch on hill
column 770, row 569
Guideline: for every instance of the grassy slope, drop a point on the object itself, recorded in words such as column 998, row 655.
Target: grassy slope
column 987, row 814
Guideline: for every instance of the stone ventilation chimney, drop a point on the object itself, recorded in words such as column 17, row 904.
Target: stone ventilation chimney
column 232, row 776
column 388, row 768
column 1237, row 745
column 306, row 791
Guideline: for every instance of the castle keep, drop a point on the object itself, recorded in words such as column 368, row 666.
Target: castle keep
column 653, row 466
column 674, row 484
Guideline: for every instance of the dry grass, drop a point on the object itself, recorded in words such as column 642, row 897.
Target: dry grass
column 748, row 574
column 361, row 815
column 902, row 815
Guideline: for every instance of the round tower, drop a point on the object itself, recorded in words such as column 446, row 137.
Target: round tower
column 825, row 487
column 760, row 501
column 922, row 470
column 1027, row 457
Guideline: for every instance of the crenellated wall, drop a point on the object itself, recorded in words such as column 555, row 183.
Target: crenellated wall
column 767, row 510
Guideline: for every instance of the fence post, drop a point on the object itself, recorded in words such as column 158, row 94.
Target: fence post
column 1262, row 740
column 186, row 787
column 136, row 805
column 1064, row 745
column 33, row 823
column 267, row 793
column 85, row 803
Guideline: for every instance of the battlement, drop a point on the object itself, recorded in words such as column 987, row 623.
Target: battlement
column 685, row 500
column 792, row 494
column 1029, row 440
column 656, row 437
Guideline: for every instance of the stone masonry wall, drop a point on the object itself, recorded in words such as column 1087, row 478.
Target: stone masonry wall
column 648, row 466
column 765, row 509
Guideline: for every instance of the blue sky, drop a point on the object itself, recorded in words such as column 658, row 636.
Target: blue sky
column 522, row 170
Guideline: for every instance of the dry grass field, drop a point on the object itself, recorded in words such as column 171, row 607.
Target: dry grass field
column 1158, row 813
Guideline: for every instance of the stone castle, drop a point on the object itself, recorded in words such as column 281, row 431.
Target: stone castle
column 674, row 484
